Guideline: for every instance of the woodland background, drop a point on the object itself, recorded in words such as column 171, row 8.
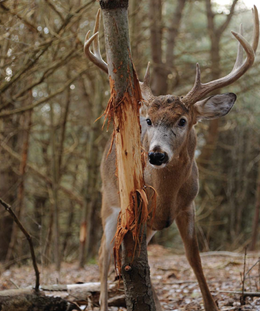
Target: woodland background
column 51, row 146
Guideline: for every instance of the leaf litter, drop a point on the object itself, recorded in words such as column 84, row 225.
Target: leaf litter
column 171, row 275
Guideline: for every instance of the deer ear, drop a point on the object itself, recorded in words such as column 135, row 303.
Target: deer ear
column 214, row 106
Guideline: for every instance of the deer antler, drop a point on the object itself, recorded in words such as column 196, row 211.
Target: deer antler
column 200, row 90
column 145, row 86
column 95, row 57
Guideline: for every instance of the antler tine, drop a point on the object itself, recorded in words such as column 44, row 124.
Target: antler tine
column 96, row 47
column 145, row 86
column 95, row 57
column 256, row 28
column 200, row 90
column 147, row 75
column 239, row 59
column 197, row 83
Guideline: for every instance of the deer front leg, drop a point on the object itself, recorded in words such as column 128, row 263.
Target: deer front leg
column 149, row 234
column 109, row 226
column 186, row 225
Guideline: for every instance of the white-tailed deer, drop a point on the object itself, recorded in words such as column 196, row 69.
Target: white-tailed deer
column 169, row 138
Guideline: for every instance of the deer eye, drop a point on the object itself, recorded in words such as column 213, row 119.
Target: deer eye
column 182, row 122
column 149, row 122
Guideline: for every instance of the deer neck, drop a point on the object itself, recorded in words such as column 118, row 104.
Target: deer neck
column 172, row 177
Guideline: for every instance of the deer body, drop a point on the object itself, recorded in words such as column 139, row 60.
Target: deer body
column 169, row 140
column 176, row 184
column 175, row 179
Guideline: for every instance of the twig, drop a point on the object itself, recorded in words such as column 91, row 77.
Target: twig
column 44, row 100
column 29, row 238
column 253, row 266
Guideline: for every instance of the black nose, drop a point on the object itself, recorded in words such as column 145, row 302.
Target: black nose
column 157, row 158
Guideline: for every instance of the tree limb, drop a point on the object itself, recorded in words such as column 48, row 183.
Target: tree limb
column 29, row 239
column 42, row 101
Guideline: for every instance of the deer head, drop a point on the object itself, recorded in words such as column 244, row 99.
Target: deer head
column 170, row 118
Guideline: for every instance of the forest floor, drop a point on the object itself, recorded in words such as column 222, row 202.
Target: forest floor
column 172, row 277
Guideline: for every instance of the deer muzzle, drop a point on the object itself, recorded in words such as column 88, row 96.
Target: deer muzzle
column 158, row 158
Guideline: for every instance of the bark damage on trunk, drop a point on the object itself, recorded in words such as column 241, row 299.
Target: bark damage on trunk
column 123, row 109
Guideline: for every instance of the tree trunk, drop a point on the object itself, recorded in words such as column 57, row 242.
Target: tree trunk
column 159, row 81
column 20, row 196
column 215, row 36
column 123, row 106
column 55, row 188
column 161, row 68
column 92, row 168
column 257, row 212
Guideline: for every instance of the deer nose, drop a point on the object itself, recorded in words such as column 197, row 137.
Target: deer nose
column 157, row 158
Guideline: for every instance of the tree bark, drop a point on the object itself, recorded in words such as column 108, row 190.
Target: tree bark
column 123, row 107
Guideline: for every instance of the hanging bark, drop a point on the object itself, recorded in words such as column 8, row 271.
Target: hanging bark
column 123, row 107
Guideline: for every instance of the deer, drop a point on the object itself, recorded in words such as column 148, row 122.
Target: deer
column 169, row 140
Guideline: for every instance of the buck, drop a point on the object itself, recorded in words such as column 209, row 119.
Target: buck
column 169, row 139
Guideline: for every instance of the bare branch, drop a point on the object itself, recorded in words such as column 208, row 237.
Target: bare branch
column 224, row 26
column 42, row 101
column 29, row 239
